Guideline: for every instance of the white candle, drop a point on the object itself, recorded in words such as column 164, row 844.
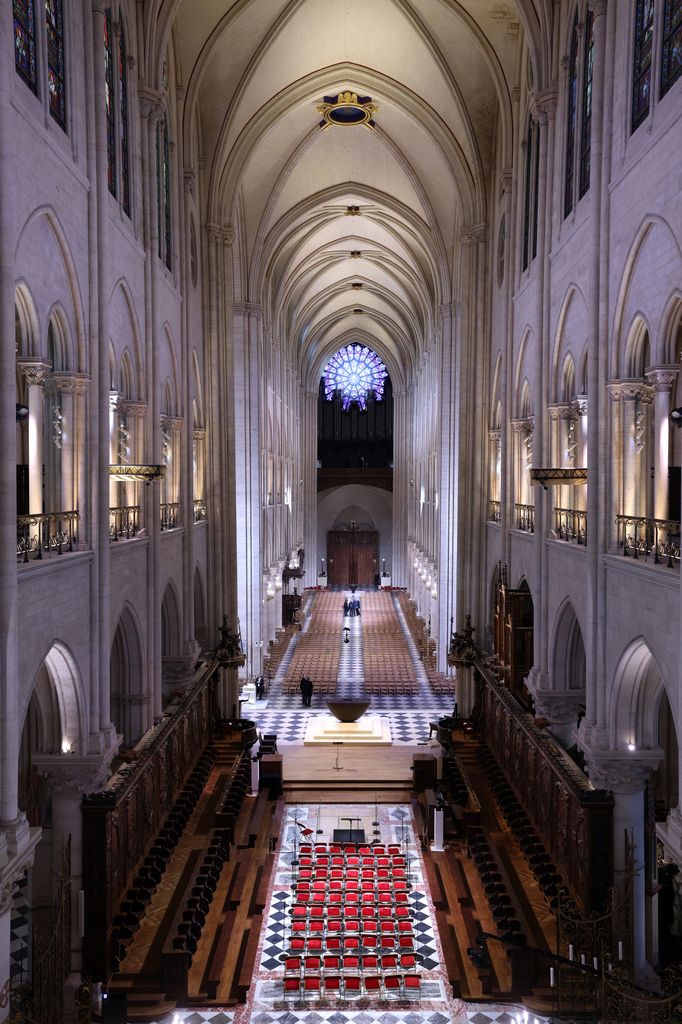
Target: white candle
column 595, row 963
column 582, row 959
column 551, row 977
column 620, row 950
column 570, row 951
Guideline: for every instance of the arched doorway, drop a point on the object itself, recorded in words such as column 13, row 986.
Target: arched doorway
column 353, row 554
column 127, row 694
column 200, row 624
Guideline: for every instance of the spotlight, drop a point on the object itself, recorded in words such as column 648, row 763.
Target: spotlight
column 631, row 747
column 676, row 416
column 22, row 412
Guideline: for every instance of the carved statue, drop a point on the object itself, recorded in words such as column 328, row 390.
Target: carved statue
column 230, row 645
column 463, row 651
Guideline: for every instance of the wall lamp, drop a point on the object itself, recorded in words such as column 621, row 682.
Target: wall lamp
column 676, row 417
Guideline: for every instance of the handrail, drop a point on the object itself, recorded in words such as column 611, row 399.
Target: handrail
column 494, row 511
column 525, row 518
column 639, row 536
column 170, row 515
column 570, row 524
column 46, row 532
column 200, row 513
column 124, row 522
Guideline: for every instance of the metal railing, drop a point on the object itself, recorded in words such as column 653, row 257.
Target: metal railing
column 640, row 537
column 124, row 522
column 494, row 511
column 46, row 534
column 170, row 515
column 199, row 510
column 570, row 524
column 525, row 518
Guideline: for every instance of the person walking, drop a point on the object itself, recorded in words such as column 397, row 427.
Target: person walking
column 302, row 687
column 345, row 607
column 309, row 693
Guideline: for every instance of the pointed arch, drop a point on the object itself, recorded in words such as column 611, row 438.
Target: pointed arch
column 567, row 651
column 638, row 685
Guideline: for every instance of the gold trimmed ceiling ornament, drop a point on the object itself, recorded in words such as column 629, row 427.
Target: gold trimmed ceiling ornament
column 347, row 109
column 137, row 474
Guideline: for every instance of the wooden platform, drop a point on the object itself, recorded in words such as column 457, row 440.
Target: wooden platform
column 310, row 774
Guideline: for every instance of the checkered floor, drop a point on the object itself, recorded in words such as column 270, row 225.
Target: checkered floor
column 20, row 928
column 469, row 1013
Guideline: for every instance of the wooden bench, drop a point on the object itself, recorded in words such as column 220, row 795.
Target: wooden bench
column 448, row 943
column 248, row 962
column 260, row 896
column 218, row 955
column 435, row 882
column 251, row 819
column 464, row 897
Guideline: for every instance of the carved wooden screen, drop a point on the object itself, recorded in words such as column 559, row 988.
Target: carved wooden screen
column 513, row 634
column 575, row 821
column 352, row 557
column 121, row 821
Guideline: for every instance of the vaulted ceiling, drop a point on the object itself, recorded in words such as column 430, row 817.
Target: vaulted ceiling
column 441, row 74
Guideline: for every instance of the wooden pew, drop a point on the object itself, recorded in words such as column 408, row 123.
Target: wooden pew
column 464, row 897
column 218, row 955
column 248, row 963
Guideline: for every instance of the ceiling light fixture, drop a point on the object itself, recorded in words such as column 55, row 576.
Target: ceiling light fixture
column 347, row 109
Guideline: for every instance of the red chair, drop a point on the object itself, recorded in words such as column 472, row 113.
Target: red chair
column 352, row 873
column 299, row 911
column 399, row 862
column 389, row 962
column 370, row 941
column 405, row 927
column 379, row 849
column 335, row 848
column 352, row 985
column 332, row 984
column 317, row 913
column 352, row 897
column 305, row 860
column 305, row 873
column 368, row 884
column 297, row 944
column 292, row 965
column 401, row 897
column 399, row 873
column 364, row 851
column 351, row 942
column 335, row 884
column 333, row 912
column 338, row 861
column 351, row 963
column 319, row 899
column 334, row 942
column 320, row 847
column 383, row 874
column 330, row 962
column 383, row 862
column 321, row 872
column 319, row 885
column 352, row 885
column 316, row 927
column 387, row 926
column 305, row 848
column 349, row 848
column 335, row 926
column 392, row 984
column 313, row 963
column 402, row 913
column 370, row 963
column 388, row 941
column 368, row 899
column 406, row 941
column 385, row 911
column 372, row 983
column 368, row 912
column 312, row 985
column 292, row 987
column 352, row 926
column 412, row 985
column 335, row 898
column 393, row 848
column 369, row 925
column 368, row 874
column 322, row 860
column 400, row 885
column 408, row 961
column 385, row 899
column 302, row 886
column 303, row 898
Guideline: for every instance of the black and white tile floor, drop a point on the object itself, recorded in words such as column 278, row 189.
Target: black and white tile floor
column 20, row 928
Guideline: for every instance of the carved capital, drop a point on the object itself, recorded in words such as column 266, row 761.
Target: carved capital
column 558, row 706
column 637, row 390
column 506, row 180
column 598, row 7
column 494, row 435
column 220, row 233
column 620, row 771
column 151, row 103
column 470, row 234
column 133, row 409
column 113, row 401
column 661, row 377
column 73, row 775
column 561, row 411
column 35, row 371
column 189, row 181
column 579, row 404
column 172, row 424
column 70, row 383
column 199, row 433
column 523, row 426
column 248, row 309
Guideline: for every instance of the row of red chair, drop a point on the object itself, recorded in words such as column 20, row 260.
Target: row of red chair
column 350, row 962
column 313, row 986
column 352, row 860
column 320, row 886
column 352, row 925
column 320, row 942
column 362, row 850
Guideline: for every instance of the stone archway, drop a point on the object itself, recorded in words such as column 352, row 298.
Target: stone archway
column 128, row 700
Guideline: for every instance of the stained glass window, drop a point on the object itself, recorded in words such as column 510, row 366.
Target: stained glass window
column 354, row 371
column 671, row 49
column 109, row 102
column 571, row 109
column 586, row 107
column 166, row 195
column 123, row 121
column 641, row 60
column 54, row 20
column 534, row 186
column 25, row 42
column 527, row 194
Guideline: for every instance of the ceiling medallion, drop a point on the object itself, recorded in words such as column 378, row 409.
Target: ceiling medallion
column 347, row 109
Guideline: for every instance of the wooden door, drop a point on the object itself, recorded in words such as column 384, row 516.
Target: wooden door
column 352, row 557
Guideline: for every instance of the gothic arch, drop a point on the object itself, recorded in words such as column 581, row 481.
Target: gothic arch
column 635, row 698
column 170, row 622
column 60, row 699
column 567, row 650
column 127, row 692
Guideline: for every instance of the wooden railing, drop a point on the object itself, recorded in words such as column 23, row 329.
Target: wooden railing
column 124, row 522
column 494, row 511
column 658, row 539
column 170, row 515
column 570, row 524
column 525, row 518
column 51, row 533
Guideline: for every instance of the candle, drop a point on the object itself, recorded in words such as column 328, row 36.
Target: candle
column 620, row 950
column 570, row 951
column 551, row 977
column 582, row 959
column 595, row 963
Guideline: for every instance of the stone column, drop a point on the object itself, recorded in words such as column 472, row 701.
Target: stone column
column 636, row 398
column 579, row 404
column 309, row 468
column 35, row 373
column 70, row 777
column 626, row 776
column 134, row 412
column 661, row 378
column 560, row 708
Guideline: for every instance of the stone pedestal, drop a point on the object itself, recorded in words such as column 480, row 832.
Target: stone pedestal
column 370, row 731
column 437, row 844
column 322, row 582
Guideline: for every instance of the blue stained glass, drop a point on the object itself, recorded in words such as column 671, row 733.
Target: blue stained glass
column 54, row 19
column 586, row 112
column 571, row 117
column 671, row 49
column 354, row 371
column 641, row 71
column 25, row 42
column 109, row 103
